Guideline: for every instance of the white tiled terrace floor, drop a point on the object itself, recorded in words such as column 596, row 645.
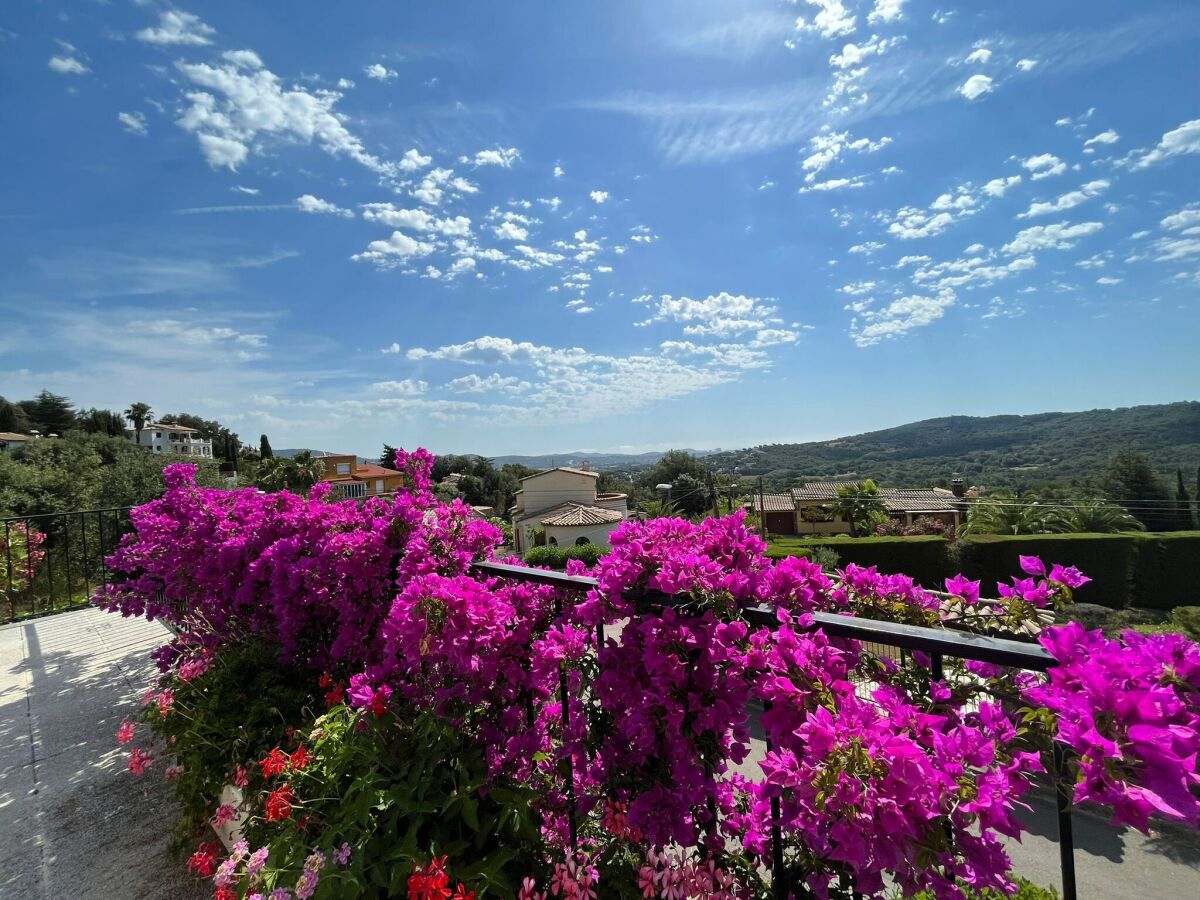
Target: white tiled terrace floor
column 73, row 822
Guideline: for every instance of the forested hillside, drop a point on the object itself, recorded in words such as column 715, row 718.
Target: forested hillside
column 994, row 451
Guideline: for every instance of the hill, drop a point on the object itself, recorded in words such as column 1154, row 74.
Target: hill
column 993, row 451
column 600, row 461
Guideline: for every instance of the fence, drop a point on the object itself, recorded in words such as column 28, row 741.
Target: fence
column 938, row 644
column 54, row 561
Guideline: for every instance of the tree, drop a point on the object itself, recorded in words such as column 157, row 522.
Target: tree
column 264, row 448
column 861, row 506
column 657, row 509
column 1092, row 517
column 1130, row 481
column 1009, row 514
column 687, row 476
column 387, row 458
column 50, row 413
column 13, row 418
column 297, row 474
column 1183, row 504
column 101, row 421
column 139, row 414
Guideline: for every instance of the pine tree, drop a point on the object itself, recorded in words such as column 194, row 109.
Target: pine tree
column 388, row 457
column 1183, row 504
column 264, row 448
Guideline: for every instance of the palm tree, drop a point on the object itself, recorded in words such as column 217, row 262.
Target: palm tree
column 860, row 505
column 307, row 470
column 1096, row 517
column 272, row 474
column 657, row 509
column 1008, row 514
column 139, row 414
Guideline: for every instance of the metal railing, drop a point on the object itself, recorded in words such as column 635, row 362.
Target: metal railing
column 937, row 643
column 64, row 568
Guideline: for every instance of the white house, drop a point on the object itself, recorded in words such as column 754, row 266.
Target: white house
column 161, row 438
column 563, row 505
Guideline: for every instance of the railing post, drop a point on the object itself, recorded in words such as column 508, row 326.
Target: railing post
column 564, row 699
column 1066, row 834
column 779, row 887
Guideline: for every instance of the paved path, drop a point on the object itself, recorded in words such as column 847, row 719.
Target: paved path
column 73, row 822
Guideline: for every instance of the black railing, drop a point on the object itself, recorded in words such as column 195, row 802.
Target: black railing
column 937, row 643
column 55, row 561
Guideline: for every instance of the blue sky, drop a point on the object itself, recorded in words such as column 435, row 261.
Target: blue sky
column 546, row 226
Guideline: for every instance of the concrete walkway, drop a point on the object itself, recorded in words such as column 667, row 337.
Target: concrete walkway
column 73, row 822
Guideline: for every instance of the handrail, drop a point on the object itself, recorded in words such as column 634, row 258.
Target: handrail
column 947, row 642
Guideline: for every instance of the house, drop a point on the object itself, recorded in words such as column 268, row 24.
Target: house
column 163, row 438
column 10, row 441
column 561, row 507
column 352, row 479
column 807, row 509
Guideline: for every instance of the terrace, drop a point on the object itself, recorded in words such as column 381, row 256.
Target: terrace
column 68, row 680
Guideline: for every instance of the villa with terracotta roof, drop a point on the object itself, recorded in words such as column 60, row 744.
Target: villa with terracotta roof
column 561, row 506
column 352, row 479
column 806, row 509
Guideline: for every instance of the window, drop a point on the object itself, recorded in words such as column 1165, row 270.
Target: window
column 553, row 542
column 343, row 468
column 580, row 542
column 379, row 485
column 158, row 434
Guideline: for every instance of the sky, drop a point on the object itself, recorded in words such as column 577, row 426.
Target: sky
column 534, row 227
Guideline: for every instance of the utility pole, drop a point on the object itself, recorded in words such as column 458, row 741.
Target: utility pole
column 762, row 508
column 712, row 492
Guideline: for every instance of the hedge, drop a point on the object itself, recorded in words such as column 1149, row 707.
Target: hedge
column 1144, row 569
column 555, row 557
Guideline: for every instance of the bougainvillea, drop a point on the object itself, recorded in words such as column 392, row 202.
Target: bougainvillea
column 626, row 709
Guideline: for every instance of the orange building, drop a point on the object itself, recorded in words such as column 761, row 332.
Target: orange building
column 353, row 479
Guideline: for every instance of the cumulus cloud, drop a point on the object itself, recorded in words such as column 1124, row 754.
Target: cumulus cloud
column 1066, row 201
column 826, row 149
column 598, row 196
column 722, row 314
column 1044, row 165
column 831, row 20
column 416, row 220
column 511, row 231
column 978, row 55
column 133, row 122
column 177, row 28
column 413, row 161
column 1061, row 236
column 1177, row 142
column 408, row 387
column 975, row 87
column 997, row 187
column 236, row 109
column 310, row 204
column 1104, row 137
column 885, row 11
column 473, row 384
column 67, row 65
column 1026, row 65
column 379, row 72
column 396, row 250
column 501, row 156
column 899, row 317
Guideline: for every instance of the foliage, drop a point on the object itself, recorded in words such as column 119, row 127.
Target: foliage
column 482, row 483
column 298, row 473
column 1130, row 479
column 998, row 452
column 1009, row 514
column 84, row 471
column 1026, row 890
column 860, row 505
column 49, row 413
column 919, row 526
column 13, row 418
column 688, row 478
column 658, row 508
column 1093, row 517
column 555, row 557
column 264, row 448
column 20, row 558
column 139, row 414
column 879, row 776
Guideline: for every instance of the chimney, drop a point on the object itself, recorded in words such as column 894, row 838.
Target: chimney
column 957, row 486
column 586, row 465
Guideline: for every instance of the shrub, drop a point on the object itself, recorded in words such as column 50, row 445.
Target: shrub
column 1164, row 574
column 548, row 555
column 925, row 558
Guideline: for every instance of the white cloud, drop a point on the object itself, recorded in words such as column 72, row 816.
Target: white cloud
column 900, row 317
column 559, row 172
column 67, row 65
column 835, row 184
column 1182, row 140
column 391, row 348
column 345, row 84
column 413, row 161
column 1044, row 165
column 832, row 20
column 885, row 11
column 911, row 223
column 826, row 149
column 511, row 231
column 853, row 54
column 1061, row 236
column 722, row 314
column 1026, row 65
column 979, row 55
column 176, row 27
column 1108, row 280
column 501, row 156
column 380, row 72
column 437, row 183
column 473, row 384
column 248, row 106
column 310, row 204
column 975, row 87
column 134, row 122
column 416, row 220
column 1104, row 137
column 406, row 388
column 397, row 249
column 246, row 59
column 1066, row 201
column 998, row 186
column 1187, row 218
column 598, row 196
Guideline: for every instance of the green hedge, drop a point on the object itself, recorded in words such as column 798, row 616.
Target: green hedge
column 1151, row 570
column 556, row 557
column 1166, row 570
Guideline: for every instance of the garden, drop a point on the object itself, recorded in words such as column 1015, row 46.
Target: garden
column 351, row 707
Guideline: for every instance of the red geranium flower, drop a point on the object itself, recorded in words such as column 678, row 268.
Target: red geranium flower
column 335, row 696
column 274, row 763
column 326, row 680
column 204, row 861
column 279, row 804
column 225, row 893
column 300, row 758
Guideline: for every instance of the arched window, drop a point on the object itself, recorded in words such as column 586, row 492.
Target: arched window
column 579, row 542
column 553, row 542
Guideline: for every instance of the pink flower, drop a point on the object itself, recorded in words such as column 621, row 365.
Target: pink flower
column 139, row 761
column 125, row 732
